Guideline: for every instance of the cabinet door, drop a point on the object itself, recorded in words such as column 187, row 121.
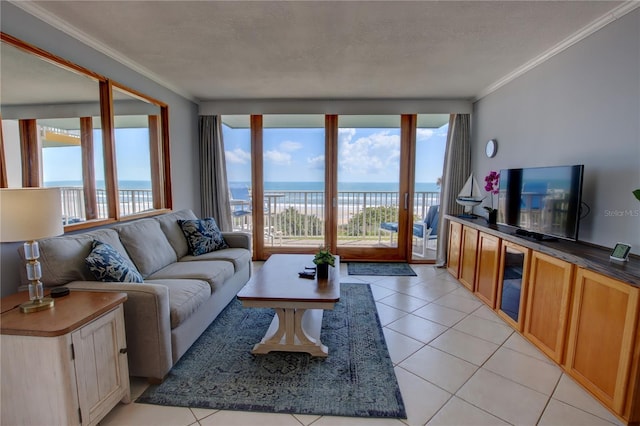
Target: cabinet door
column 547, row 314
column 486, row 283
column 453, row 257
column 512, row 283
column 468, row 257
column 604, row 320
column 102, row 372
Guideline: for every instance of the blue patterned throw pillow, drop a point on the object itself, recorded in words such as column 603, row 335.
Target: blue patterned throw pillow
column 203, row 235
column 107, row 265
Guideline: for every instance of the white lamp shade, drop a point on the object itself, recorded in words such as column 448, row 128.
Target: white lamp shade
column 28, row 214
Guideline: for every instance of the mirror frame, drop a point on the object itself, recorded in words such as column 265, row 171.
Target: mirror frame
column 159, row 152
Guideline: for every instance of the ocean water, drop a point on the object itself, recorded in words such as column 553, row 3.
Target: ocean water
column 342, row 186
column 123, row 184
column 272, row 186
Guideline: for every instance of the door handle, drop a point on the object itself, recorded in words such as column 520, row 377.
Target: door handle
column 406, row 201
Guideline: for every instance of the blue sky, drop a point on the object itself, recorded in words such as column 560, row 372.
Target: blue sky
column 132, row 158
column 290, row 155
column 364, row 155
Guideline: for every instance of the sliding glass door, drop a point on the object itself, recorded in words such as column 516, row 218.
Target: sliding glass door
column 293, row 158
column 299, row 182
column 431, row 140
column 369, row 197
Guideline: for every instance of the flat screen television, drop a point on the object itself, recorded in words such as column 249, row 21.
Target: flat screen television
column 542, row 202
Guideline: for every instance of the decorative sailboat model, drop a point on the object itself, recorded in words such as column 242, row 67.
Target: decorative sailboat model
column 469, row 196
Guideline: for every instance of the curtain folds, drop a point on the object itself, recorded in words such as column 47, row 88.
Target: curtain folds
column 214, row 192
column 456, row 170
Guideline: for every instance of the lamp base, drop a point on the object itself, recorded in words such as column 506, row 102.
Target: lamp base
column 36, row 305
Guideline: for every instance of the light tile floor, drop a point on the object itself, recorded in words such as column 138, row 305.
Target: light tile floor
column 457, row 363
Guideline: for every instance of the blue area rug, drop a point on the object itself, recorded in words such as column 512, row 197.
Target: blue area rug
column 380, row 268
column 356, row 379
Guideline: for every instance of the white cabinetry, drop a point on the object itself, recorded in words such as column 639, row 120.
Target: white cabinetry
column 67, row 365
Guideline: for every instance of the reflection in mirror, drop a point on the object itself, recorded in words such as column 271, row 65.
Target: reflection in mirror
column 49, row 114
column 68, row 127
column 136, row 124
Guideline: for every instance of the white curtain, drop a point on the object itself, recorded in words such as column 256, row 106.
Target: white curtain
column 456, row 170
column 214, row 192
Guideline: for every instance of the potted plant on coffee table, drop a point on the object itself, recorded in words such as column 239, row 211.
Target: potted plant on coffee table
column 323, row 259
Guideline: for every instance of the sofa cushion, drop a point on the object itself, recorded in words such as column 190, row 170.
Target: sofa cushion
column 147, row 245
column 107, row 265
column 169, row 224
column 214, row 272
column 203, row 235
column 62, row 258
column 185, row 297
column 238, row 256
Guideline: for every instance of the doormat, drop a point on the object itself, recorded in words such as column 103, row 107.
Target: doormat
column 356, row 379
column 380, row 268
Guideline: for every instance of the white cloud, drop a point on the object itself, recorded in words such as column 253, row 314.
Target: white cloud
column 238, row 156
column 345, row 135
column 277, row 157
column 377, row 154
column 290, row 146
column 422, row 134
column 316, row 162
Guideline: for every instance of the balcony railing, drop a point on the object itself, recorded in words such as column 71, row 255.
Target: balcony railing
column 288, row 214
column 132, row 201
column 300, row 214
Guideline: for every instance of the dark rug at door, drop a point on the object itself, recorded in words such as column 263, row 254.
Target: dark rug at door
column 356, row 379
column 380, row 268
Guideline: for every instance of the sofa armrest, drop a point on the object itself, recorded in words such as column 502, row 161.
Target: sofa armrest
column 238, row 239
column 147, row 325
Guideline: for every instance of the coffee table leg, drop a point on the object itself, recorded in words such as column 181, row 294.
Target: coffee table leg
column 294, row 330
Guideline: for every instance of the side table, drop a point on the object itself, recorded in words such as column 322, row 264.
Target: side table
column 65, row 365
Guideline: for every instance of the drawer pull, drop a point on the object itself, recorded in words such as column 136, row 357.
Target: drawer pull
column 123, row 350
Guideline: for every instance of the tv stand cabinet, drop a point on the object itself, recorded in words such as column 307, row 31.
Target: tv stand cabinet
column 576, row 306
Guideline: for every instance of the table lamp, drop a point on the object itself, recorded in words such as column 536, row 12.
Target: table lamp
column 29, row 214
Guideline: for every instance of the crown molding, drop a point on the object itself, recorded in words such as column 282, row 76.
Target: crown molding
column 583, row 33
column 62, row 25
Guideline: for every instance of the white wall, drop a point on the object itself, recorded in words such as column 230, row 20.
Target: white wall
column 580, row 107
column 183, row 116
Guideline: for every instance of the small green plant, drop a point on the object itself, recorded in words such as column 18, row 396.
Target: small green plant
column 323, row 257
column 637, row 193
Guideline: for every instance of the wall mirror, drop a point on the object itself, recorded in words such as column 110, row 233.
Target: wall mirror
column 56, row 126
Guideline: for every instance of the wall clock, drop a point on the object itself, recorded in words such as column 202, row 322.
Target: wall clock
column 492, row 148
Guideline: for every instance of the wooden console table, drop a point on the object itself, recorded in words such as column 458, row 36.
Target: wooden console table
column 567, row 298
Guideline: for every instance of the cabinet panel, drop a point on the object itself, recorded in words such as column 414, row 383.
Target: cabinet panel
column 468, row 257
column 547, row 314
column 31, row 394
column 102, row 374
column 512, row 283
column 601, row 339
column 486, row 284
column 63, row 366
column 453, row 257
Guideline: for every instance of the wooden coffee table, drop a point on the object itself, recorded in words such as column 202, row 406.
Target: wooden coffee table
column 299, row 303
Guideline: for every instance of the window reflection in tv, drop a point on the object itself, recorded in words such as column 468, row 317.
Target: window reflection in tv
column 544, row 201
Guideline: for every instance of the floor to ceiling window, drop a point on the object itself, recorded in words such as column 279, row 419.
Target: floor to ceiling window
column 236, row 134
column 293, row 180
column 298, row 182
column 368, row 178
column 431, row 140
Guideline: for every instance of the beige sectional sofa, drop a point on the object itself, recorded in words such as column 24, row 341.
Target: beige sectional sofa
column 180, row 296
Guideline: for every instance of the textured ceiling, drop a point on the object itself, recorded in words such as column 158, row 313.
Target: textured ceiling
column 327, row 50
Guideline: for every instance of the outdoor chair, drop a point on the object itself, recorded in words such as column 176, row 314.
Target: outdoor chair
column 240, row 200
column 425, row 230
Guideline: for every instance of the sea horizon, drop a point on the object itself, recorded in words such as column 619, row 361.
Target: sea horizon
column 269, row 186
